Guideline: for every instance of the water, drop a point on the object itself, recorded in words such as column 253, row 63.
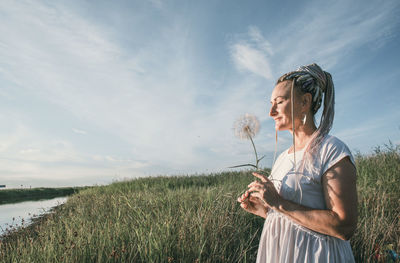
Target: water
column 15, row 214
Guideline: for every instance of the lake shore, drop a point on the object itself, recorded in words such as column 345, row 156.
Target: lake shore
column 21, row 215
column 8, row 196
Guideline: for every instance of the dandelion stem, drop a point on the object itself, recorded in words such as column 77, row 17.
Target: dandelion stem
column 255, row 151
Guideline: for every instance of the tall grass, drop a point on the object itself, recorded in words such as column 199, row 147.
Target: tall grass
column 191, row 219
column 379, row 204
column 179, row 219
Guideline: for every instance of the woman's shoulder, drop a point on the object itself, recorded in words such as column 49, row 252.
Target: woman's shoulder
column 333, row 150
column 332, row 141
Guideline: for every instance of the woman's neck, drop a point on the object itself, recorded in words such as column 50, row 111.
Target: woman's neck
column 303, row 135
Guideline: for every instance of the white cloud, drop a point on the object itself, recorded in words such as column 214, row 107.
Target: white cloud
column 251, row 54
column 259, row 40
column 79, row 131
column 251, row 59
column 156, row 3
column 320, row 33
column 146, row 94
column 324, row 33
column 29, row 151
column 50, row 162
column 327, row 34
column 75, row 65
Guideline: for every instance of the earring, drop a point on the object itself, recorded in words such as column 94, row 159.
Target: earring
column 304, row 119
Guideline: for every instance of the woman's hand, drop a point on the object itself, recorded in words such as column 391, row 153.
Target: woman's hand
column 260, row 196
column 265, row 191
column 339, row 219
column 252, row 204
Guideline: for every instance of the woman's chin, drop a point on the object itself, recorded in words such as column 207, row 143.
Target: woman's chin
column 280, row 128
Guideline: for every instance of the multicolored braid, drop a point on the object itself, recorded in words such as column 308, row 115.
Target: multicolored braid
column 312, row 79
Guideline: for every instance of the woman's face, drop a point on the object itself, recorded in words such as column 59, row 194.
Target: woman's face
column 281, row 107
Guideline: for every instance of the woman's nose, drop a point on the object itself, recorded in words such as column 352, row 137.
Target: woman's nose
column 272, row 111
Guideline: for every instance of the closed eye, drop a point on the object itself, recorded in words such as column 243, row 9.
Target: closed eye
column 278, row 99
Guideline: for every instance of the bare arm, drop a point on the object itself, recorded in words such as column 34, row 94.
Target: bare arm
column 340, row 218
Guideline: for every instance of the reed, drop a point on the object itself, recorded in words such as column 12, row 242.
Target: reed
column 192, row 219
column 378, row 229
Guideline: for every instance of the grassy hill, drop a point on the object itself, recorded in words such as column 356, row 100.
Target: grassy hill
column 192, row 219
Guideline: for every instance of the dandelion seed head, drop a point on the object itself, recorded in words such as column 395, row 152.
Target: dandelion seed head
column 246, row 127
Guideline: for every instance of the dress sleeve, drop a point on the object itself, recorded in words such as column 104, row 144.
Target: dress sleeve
column 335, row 150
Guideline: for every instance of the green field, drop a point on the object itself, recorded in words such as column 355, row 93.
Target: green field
column 192, row 219
column 20, row 195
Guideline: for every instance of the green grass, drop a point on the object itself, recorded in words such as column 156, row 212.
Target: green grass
column 379, row 197
column 21, row 195
column 191, row 219
column 145, row 220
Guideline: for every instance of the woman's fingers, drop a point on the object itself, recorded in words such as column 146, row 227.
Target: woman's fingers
column 250, row 203
column 259, row 194
column 262, row 177
column 255, row 183
column 256, row 188
column 258, row 200
column 243, row 197
column 255, row 200
column 255, row 193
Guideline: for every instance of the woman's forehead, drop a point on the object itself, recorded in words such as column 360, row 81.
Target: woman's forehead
column 282, row 89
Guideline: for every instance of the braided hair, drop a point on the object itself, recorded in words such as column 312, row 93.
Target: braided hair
column 312, row 79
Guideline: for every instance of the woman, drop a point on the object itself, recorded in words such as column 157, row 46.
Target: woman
column 310, row 199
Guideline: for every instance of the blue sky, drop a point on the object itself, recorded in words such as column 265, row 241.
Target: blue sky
column 92, row 92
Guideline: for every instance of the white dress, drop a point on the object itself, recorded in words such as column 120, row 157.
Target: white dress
column 283, row 240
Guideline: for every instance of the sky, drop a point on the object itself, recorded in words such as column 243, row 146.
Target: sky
column 93, row 92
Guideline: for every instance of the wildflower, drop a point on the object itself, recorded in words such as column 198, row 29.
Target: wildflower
column 114, row 253
column 246, row 127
